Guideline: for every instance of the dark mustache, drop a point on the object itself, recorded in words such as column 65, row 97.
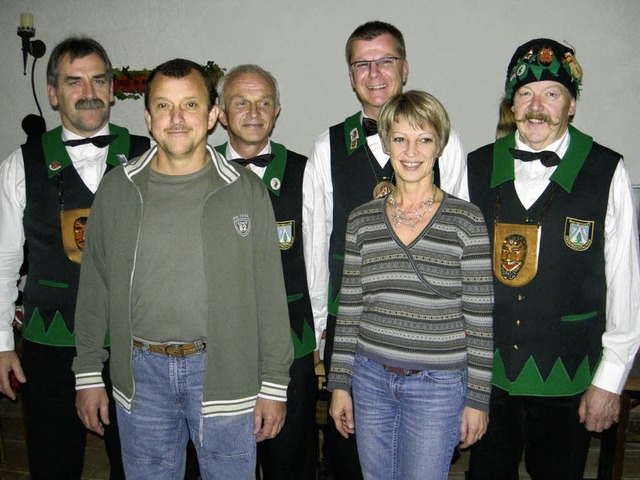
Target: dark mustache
column 86, row 104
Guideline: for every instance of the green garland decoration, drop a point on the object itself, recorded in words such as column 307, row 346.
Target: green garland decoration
column 131, row 83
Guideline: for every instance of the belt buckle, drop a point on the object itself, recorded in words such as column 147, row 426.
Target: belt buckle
column 177, row 350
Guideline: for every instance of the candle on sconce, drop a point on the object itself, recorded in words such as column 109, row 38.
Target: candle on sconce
column 26, row 20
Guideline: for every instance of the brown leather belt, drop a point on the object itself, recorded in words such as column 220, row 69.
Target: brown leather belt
column 401, row 371
column 172, row 349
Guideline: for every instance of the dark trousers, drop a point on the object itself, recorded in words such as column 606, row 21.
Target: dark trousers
column 55, row 435
column 341, row 454
column 292, row 455
column 546, row 429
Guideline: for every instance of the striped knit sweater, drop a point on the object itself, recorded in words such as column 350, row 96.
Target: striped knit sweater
column 442, row 321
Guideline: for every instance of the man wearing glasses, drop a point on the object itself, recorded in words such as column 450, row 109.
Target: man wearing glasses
column 348, row 167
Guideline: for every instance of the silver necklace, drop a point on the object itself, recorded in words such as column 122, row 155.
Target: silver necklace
column 411, row 218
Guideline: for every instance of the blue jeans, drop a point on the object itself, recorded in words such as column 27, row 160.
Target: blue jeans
column 406, row 426
column 166, row 411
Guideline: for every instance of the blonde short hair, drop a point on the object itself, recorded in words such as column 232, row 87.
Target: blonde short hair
column 419, row 109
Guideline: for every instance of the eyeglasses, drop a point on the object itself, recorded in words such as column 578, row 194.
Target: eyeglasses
column 384, row 63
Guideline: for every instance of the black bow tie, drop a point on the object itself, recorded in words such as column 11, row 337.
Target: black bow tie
column 259, row 161
column 100, row 141
column 370, row 126
column 546, row 157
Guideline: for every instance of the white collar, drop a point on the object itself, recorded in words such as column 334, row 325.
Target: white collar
column 560, row 146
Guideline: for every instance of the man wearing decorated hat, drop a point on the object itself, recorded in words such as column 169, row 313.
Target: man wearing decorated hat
column 348, row 167
column 46, row 190
column 567, row 318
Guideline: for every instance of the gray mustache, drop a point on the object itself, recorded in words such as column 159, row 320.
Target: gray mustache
column 94, row 104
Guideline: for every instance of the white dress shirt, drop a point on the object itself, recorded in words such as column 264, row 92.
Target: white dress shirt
column 231, row 154
column 90, row 163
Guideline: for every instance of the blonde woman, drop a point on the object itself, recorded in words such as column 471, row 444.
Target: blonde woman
column 411, row 368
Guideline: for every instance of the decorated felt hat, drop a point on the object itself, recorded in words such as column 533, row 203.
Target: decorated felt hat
column 543, row 59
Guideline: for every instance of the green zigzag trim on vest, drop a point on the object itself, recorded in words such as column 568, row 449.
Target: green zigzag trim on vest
column 305, row 345
column 530, row 381
column 58, row 334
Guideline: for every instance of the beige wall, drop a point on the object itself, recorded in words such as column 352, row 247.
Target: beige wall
column 457, row 49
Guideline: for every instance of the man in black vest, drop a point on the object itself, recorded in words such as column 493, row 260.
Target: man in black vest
column 46, row 190
column 348, row 167
column 250, row 103
column 559, row 209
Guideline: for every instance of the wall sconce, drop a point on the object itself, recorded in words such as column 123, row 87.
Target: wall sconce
column 36, row 48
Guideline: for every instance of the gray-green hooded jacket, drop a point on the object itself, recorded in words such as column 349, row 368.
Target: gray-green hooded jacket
column 249, row 348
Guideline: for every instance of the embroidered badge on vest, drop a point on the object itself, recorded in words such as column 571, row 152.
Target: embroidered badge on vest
column 242, row 223
column 578, row 234
column 354, row 136
column 515, row 253
column 285, row 234
column 275, row 183
column 55, row 166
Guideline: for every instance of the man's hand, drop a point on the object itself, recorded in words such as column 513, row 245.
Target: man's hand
column 599, row 409
column 268, row 418
column 92, row 405
column 9, row 362
column 342, row 412
column 473, row 425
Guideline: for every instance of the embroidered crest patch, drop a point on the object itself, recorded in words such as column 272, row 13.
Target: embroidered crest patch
column 354, row 136
column 242, row 223
column 286, row 234
column 578, row 234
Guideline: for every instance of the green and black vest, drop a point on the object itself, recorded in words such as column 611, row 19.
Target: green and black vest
column 547, row 333
column 52, row 279
column 283, row 178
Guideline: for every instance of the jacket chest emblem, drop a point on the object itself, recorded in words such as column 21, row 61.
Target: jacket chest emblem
column 242, row 224
column 578, row 234
column 286, row 234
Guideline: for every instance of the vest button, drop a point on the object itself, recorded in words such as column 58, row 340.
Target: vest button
column 515, row 347
column 518, row 323
column 521, row 297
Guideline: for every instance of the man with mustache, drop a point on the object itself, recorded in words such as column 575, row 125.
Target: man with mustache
column 566, row 329
column 348, row 167
column 40, row 185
